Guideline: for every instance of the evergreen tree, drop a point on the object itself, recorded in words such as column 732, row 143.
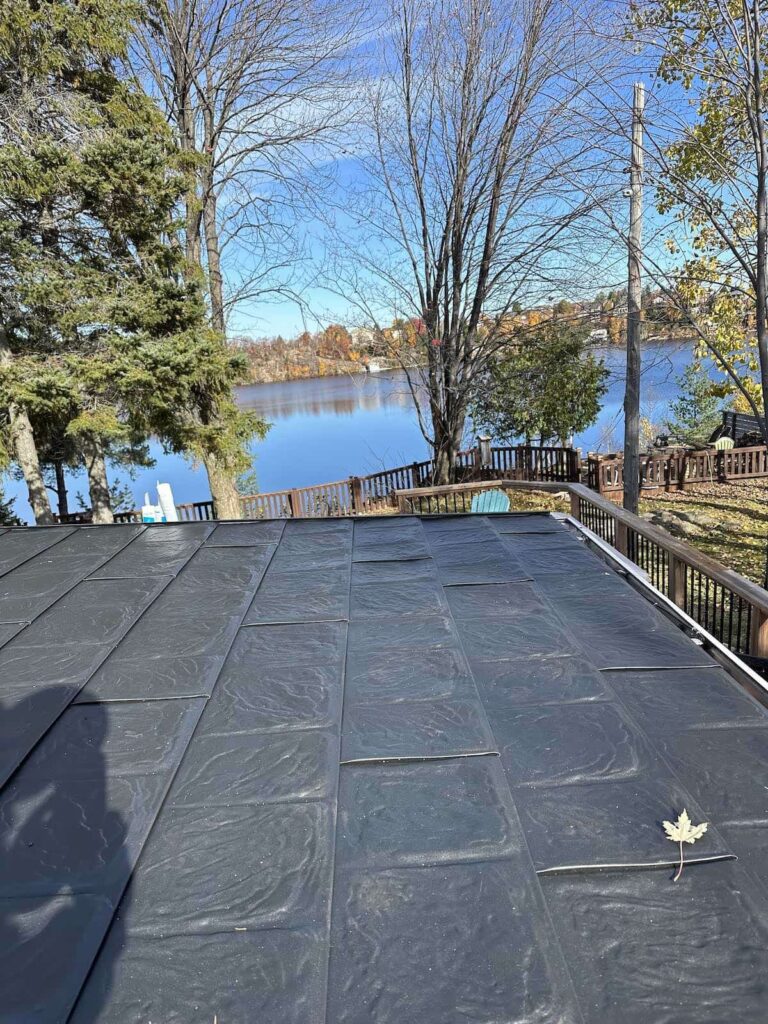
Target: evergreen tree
column 7, row 516
column 545, row 385
column 102, row 330
column 696, row 412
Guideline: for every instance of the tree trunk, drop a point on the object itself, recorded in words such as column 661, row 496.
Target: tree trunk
column 226, row 498
column 443, row 464
column 761, row 289
column 61, row 488
column 177, row 29
column 25, row 450
column 215, row 281
column 98, row 483
column 761, row 270
column 446, row 448
column 210, row 222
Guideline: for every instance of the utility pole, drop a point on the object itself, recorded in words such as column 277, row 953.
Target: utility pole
column 634, row 308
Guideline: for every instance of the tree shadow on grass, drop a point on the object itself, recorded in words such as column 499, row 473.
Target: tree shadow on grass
column 714, row 506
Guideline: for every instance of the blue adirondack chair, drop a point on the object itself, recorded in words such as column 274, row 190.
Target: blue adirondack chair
column 490, row 501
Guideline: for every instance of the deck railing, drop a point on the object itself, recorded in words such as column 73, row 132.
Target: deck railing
column 361, row 495
column 733, row 609
column 677, row 470
column 376, row 492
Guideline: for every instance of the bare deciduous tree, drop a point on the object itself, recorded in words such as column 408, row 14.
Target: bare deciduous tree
column 251, row 90
column 473, row 184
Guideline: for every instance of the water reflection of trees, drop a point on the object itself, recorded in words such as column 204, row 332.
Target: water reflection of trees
column 340, row 396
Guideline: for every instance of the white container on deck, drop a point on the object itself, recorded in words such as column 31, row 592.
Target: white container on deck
column 151, row 513
column 167, row 504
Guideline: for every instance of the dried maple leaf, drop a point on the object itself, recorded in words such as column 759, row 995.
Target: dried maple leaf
column 683, row 831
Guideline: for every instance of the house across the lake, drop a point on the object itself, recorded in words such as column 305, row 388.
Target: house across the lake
column 395, row 770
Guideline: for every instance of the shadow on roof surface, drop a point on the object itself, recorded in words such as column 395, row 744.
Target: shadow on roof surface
column 68, row 850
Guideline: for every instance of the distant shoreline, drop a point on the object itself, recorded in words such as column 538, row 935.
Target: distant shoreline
column 358, row 371
column 354, row 369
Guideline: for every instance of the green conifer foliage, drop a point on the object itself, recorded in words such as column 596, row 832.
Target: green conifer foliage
column 106, row 330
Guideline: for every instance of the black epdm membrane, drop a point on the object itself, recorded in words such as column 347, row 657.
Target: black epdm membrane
column 395, row 771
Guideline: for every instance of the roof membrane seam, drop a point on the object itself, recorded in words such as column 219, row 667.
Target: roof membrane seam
column 650, row 668
column 134, row 576
column 136, row 700
column 660, row 865
column 109, row 650
column 640, row 583
column 75, row 583
column 291, row 622
column 335, row 798
column 66, row 531
column 416, row 758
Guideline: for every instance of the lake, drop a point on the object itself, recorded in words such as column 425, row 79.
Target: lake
column 330, row 428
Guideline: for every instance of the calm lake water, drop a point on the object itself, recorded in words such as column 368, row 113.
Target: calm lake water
column 333, row 427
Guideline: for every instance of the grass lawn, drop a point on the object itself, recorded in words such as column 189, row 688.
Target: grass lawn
column 729, row 522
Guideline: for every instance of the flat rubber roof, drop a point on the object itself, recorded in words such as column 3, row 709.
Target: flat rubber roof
column 389, row 770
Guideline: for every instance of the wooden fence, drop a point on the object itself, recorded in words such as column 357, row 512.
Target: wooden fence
column 679, row 470
column 733, row 609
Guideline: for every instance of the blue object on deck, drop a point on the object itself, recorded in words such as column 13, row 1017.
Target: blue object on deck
column 490, row 501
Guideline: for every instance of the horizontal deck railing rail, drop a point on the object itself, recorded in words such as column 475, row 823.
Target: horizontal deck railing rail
column 733, row 609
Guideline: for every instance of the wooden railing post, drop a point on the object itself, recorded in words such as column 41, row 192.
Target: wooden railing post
column 682, row 469
column 676, row 580
column 575, row 506
column 356, row 494
column 622, row 537
column 294, row 500
column 759, row 633
column 483, row 456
